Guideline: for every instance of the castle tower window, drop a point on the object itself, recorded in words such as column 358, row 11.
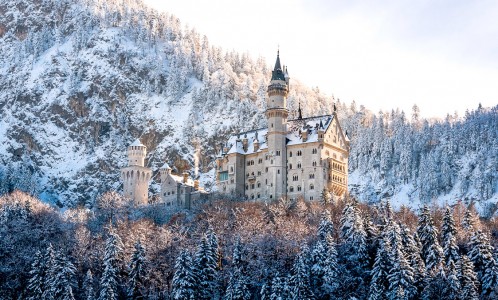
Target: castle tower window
column 290, row 154
column 277, row 153
column 260, row 161
column 291, row 189
column 290, row 166
column 295, row 177
column 299, row 165
column 252, row 186
column 314, row 164
column 247, row 187
column 299, row 153
column 259, row 184
column 298, row 188
column 312, row 187
column 312, row 176
column 311, row 197
column 278, row 171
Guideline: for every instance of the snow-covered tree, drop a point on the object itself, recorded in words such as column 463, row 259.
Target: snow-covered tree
column 379, row 283
column 38, row 274
column 468, row 279
column 448, row 233
column 137, row 274
column 184, row 280
column 301, row 287
column 88, row 286
column 109, row 281
column 205, row 267
column 431, row 251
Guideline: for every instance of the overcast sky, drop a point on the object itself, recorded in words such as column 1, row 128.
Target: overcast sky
column 442, row 55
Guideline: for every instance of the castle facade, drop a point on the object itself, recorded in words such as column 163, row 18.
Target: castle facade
column 304, row 157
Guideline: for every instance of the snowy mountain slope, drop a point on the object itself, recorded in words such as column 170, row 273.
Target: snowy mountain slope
column 79, row 80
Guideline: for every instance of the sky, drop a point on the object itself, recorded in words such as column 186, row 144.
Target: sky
column 440, row 55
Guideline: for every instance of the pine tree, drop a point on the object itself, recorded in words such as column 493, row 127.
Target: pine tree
column 205, row 268
column 481, row 252
column 301, row 288
column 436, row 285
column 184, row 281
column 453, row 288
column 448, row 232
column 88, row 286
column 62, row 282
column 379, row 284
column 38, row 273
column 109, row 279
column 326, row 227
column 427, row 232
column 278, row 288
column 50, row 257
column 265, row 292
column 411, row 248
column 137, row 274
column 331, row 271
column 468, row 279
column 490, row 279
column 238, row 288
column 401, row 281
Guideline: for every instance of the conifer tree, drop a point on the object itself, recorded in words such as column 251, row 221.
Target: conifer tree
column 278, row 289
column 468, row 279
column 184, row 281
column 318, row 267
column 50, row 256
column 62, row 281
column 427, row 232
column 38, row 273
column 301, row 288
column 436, row 285
column 411, row 248
column 453, row 288
column 490, row 280
column 266, row 288
column 137, row 273
column 379, row 283
column 205, row 268
column 88, row 286
column 401, row 281
column 238, row 288
column 448, row 232
column 481, row 253
column 326, row 227
column 110, row 276
column 331, row 272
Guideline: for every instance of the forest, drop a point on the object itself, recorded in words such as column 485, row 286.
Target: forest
column 228, row 249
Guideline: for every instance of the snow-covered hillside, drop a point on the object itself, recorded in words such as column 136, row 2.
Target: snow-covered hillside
column 81, row 79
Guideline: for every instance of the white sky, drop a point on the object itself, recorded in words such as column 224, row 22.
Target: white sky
column 384, row 54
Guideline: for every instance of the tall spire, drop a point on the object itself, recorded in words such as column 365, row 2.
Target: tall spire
column 299, row 112
column 277, row 73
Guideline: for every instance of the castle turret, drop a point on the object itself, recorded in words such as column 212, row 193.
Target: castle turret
column 135, row 176
column 276, row 114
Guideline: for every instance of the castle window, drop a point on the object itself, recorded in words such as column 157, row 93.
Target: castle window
column 173, row 192
column 312, row 176
column 231, row 169
column 290, row 154
column 311, row 197
column 231, row 180
column 248, row 163
column 299, row 153
column 252, row 186
column 277, row 153
column 312, row 187
column 271, row 161
column 314, row 151
column 252, row 196
column 247, row 187
column 290, row 166
column 278, row 171
column 298, row 188
column 266, row 169
column 164, row 194
column 314, row 164
column 291, row 189
column 295, row 177
column 169, row 193
column 259, row 173
column 258, row 196
column 299, row 165
column 260, row 161
column 259, row 184
column 252, row 162
column 271, row 125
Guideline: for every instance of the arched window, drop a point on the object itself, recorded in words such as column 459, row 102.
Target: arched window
column 314, row 164
column 247, row 187
column 290, row 166
column 291, row 189
column 290, row 154
column 298, row 188
column 259, row 184
column 295, row 177
column 312, row 187
column 299, row 165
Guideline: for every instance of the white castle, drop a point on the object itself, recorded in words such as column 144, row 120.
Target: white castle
column 305, row 157
column 176, row 191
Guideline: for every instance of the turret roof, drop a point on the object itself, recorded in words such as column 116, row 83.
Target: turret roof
column 137, row 143
column 166, row 166
column 277, row 73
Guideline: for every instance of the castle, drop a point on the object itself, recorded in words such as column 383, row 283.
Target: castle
column 176, row 191
column 305, row 157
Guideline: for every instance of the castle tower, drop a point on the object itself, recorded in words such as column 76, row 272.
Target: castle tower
column 136, row 176
column 276, row 115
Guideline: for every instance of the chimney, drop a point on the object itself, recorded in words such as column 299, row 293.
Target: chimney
column 304, row 134
column 185, row 177
column 196, row 185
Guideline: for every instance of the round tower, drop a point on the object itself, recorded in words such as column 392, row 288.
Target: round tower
column 136, row 176
column 276, row 115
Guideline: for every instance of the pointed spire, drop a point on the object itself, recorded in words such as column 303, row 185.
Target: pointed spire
column 277, row 73
column 321, row 124
column 299, row 112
